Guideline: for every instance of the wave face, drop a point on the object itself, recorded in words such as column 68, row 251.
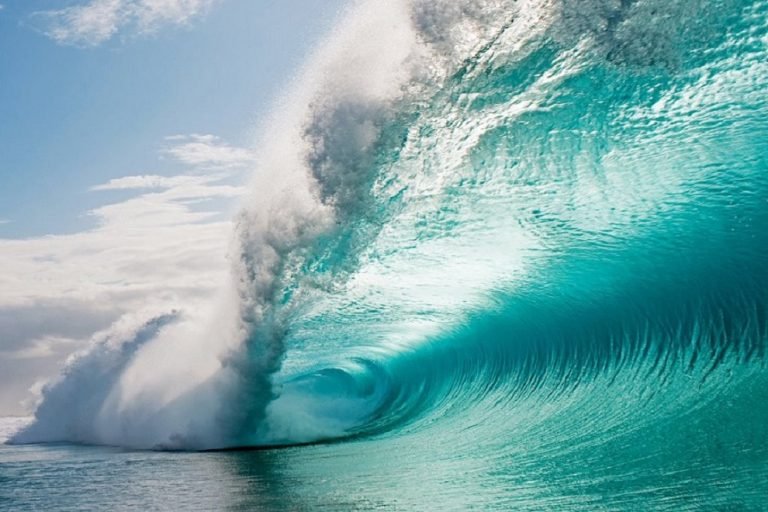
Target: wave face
column 529, row 236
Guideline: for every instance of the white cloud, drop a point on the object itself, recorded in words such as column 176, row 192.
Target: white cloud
column 152, row 243
column 169, row 207
column 207, row 151
column 4, row 221
column 144, row 181
column 97, row 21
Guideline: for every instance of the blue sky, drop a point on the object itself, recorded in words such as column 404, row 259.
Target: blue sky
column 75, row 112
column 127, row 132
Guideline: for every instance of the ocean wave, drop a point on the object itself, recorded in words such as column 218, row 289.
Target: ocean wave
column 529, row 231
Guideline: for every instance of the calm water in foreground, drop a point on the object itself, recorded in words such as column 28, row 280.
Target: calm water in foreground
column 366, row 475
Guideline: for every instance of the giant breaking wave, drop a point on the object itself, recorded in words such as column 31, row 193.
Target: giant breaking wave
column 525, row 229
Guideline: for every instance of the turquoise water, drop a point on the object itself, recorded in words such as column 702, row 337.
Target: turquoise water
column 534, row 280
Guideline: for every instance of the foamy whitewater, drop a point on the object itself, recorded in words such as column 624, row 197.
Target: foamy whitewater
column 526, row 237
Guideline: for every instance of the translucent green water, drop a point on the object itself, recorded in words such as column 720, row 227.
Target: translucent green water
column 546, row 289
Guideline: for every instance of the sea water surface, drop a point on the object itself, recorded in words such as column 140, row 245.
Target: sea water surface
column 367, row 476
column 499, row 256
